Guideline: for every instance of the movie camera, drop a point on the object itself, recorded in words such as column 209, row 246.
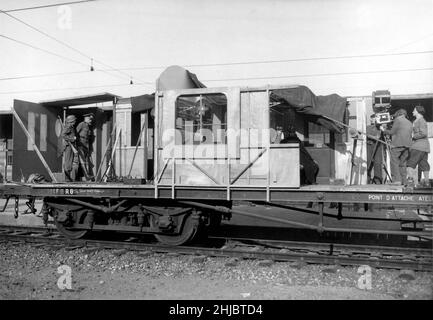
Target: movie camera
column 381, row 105
column 383, row 118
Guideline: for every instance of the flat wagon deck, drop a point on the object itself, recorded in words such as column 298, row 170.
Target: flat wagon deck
column 385, row 194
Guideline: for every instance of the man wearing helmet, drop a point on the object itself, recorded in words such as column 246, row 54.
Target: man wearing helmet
column 71, row 161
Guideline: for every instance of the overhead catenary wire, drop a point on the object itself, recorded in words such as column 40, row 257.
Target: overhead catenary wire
column 233, row 79
column 121, row 70
column 49, row 52
column 320, row 74
column 69, row 88
column 69, row 46
column 412, row 42
column 251, row 78
column 56, row 55
column 56, row 74
column 129, row 77
column 49, row 5
column 42, row 49
column 284, row 60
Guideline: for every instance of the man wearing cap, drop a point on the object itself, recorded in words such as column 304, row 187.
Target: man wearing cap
column 374, row 151
column 86, row 138
column 71, row 162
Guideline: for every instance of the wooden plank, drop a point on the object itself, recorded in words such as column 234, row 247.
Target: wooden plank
column 41, row 157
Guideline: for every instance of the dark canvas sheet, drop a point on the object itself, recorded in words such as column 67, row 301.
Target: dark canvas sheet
column 147, row 101
column 303, row 101
column 143, row 103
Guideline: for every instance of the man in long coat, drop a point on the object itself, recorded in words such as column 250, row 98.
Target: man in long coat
column 71, row 161
column 85, row 145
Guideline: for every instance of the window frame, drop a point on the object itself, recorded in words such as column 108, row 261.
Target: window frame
column 223, row 124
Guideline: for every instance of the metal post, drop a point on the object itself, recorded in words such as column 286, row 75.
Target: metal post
column 145, row 142
column 228, row 172
column 136, row 148
column 112, row 161
column 120, row 151
column 173, row 176
column 107, row 151
column 268, row 177
column 65, row 109
column 321, row 205
column 156, row 142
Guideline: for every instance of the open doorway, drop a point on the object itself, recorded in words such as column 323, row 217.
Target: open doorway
column 42, row 124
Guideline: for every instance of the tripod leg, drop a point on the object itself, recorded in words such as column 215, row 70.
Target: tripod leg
column 371, row 163
column 353, row 160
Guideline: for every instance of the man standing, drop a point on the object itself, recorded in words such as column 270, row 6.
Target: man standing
column 71, row 162
column 401, row 133
column 374, row 151
column 86, row 138
column 420, row 147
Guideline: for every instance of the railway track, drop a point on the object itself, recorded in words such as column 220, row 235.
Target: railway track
column 419, row 259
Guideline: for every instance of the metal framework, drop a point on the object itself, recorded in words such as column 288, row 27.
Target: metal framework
column 370, row 194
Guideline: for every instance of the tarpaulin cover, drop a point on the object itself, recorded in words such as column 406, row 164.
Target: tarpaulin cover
column 214, row 99
column 303, row 101
column 143, row 103
column 194, row 79
column 300, row 98
column 147, row 101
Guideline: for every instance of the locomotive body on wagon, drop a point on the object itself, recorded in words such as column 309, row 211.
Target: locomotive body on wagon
column 214, row 147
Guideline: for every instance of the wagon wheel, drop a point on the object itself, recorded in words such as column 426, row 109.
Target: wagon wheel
column 188, row 232
column 69, row 233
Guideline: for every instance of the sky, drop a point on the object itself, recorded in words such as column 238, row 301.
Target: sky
column 140, row 38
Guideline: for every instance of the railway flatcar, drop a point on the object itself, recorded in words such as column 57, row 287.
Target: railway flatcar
column 216, row 148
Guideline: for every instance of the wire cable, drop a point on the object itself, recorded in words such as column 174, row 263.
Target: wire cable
column 284, row 60
column 227, row 79
column 67, row 45
column 412, row 42
column 69, row 88
column 238, row 79
column 44, row 75
column 59, row 56
column 319, row 74
column 43, row 50
column 49, row 5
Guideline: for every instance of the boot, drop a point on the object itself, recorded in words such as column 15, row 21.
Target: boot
column 412, row 176
column 426, row 181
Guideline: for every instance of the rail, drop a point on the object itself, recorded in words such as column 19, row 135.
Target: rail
column 289, row 251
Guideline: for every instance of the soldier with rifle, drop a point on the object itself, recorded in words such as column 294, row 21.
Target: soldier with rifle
column 71, row 160
column 85, row 146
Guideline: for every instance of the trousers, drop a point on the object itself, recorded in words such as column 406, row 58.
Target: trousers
column 70, row 165
column 399, row 156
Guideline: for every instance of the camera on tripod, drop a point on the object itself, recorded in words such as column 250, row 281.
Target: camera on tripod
column 381, row 105
column 383, row 118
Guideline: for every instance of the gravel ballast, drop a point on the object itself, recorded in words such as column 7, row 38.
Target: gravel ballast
column 32, row 272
